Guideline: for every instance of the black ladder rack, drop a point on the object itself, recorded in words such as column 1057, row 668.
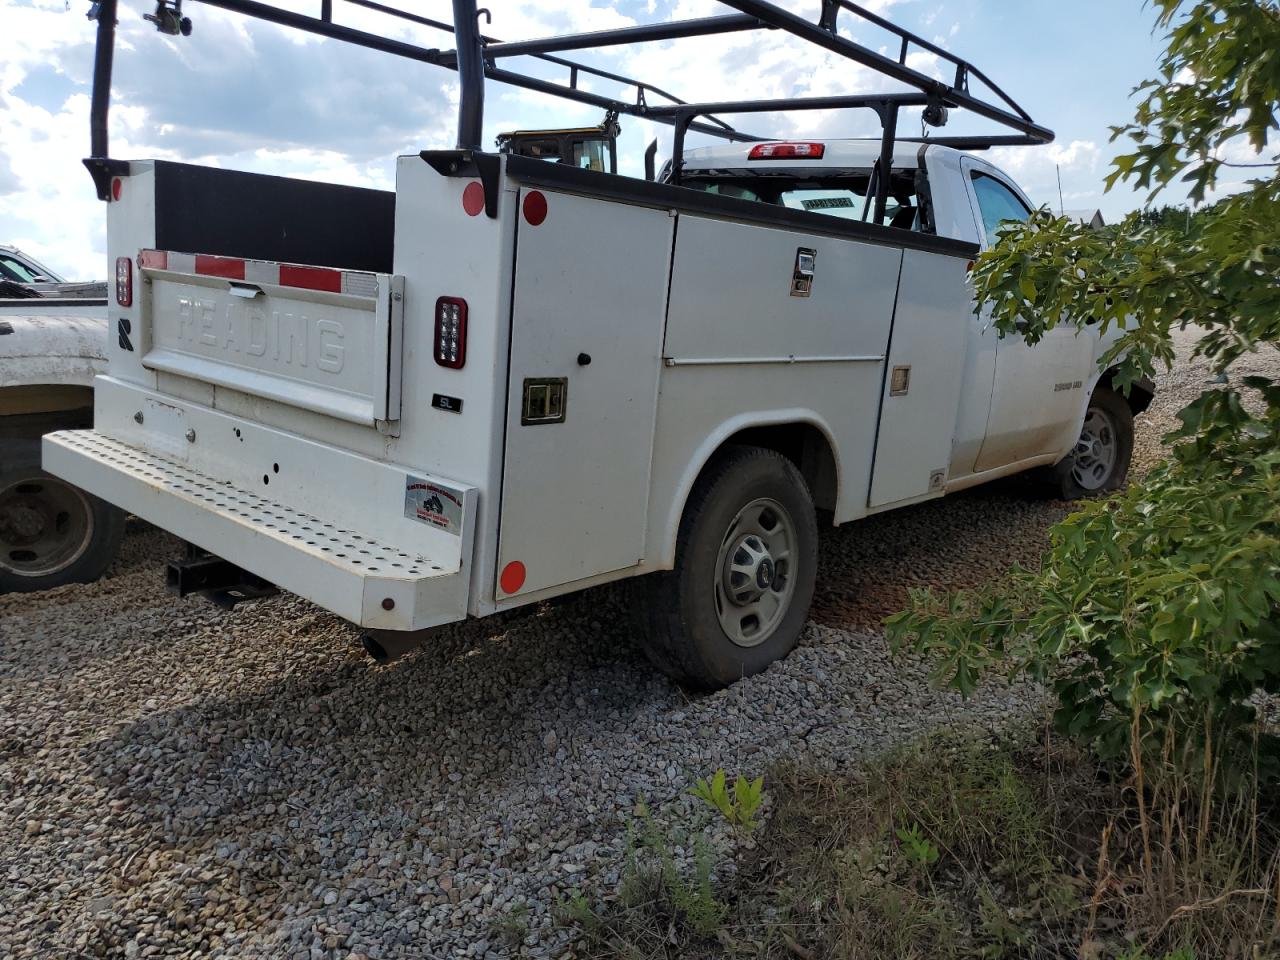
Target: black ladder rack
column 477, row 57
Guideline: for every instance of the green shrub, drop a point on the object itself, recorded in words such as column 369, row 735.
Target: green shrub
column 1156, row 616
column 1155, row 611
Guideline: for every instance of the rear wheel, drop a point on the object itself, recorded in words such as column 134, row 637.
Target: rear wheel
column 746, row 561
column 51, row 532
column 1099, row 463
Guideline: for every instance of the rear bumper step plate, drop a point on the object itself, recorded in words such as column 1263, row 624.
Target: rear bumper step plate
column 366, row 582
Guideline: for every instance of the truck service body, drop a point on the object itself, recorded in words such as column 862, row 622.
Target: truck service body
column 512, row 379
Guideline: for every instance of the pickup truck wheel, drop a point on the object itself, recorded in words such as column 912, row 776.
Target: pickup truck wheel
column 746, row 560
column 1100, row 461
column 51, row 532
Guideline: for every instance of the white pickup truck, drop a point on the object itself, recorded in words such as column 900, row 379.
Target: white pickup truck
column 24, row 274
column 51, row 348
column 513, row 379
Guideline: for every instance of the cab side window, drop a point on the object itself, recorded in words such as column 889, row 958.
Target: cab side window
column 997, row 203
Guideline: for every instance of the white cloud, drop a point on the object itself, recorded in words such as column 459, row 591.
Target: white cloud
column 1036, row 170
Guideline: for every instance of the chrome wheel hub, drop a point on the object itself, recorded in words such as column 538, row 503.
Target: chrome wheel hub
column 1096, row 451
column 753, row 588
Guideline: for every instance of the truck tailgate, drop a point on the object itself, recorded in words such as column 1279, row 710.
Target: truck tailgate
column 312, row 337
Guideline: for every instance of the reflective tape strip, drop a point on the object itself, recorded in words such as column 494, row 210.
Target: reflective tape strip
column 301, row 276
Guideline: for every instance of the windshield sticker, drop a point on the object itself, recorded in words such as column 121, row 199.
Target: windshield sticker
column 433, row 504
column 827, row 203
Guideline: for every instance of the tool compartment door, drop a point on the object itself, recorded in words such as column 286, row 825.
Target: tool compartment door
column 932, row 322
column 586, row 341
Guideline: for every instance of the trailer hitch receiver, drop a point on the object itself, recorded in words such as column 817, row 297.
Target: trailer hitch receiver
column 222, row 582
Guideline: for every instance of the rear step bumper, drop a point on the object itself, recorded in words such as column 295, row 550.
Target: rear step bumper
column 369, row 583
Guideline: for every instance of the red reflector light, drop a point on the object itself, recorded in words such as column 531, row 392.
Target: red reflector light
column 124, row 281
column 451, row 332
column 535, row 207
column 787, row 151
column 512, row 577
column 473, row 198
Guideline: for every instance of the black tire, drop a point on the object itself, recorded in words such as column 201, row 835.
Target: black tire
column 51, row 532
column 681, row 619
column 1081, row 473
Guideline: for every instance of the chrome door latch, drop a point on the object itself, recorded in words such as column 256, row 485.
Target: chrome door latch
column 543, row 400
column 900, row 381
column 802, row 275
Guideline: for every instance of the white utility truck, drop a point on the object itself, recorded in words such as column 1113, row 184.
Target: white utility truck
column 511, row 379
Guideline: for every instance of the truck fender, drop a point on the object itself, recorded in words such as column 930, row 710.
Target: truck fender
column 51, row 350
column 1141, row 393
column 663, row 558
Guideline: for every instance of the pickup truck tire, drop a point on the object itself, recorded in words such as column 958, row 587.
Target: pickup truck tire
column 1099, row 463
column 746, row 561
column 51, row 533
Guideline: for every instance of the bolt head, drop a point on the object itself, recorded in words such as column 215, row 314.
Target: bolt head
column 191, row 436
column 388, row 603
column 137, row 417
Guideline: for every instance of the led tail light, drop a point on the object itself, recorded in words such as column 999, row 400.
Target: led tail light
column 124, row 281
column 787, row 151
column 451, row 332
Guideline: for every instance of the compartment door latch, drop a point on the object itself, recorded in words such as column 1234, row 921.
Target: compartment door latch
column 543, row 400
column 802, row 275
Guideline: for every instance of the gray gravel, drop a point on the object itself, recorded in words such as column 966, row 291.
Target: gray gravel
column 179, row 781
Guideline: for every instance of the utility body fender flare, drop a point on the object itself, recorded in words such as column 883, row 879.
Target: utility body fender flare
column 663, row 558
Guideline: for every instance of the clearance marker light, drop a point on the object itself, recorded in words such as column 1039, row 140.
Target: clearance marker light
column 787, row 151
column 451, row 332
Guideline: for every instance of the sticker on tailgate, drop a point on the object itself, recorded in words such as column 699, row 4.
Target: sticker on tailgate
column 433, row 504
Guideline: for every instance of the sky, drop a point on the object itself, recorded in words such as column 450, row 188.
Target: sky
column 247, row 95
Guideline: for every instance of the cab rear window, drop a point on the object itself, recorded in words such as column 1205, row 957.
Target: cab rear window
column 845, row 196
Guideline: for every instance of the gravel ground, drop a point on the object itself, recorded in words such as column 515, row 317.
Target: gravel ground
column 180, row 781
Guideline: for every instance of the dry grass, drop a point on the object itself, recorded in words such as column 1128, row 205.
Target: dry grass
column 962, row 849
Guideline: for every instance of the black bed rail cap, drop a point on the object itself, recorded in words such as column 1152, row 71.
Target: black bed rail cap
column 104, row 170
column 611, row 186
column 470, row 163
